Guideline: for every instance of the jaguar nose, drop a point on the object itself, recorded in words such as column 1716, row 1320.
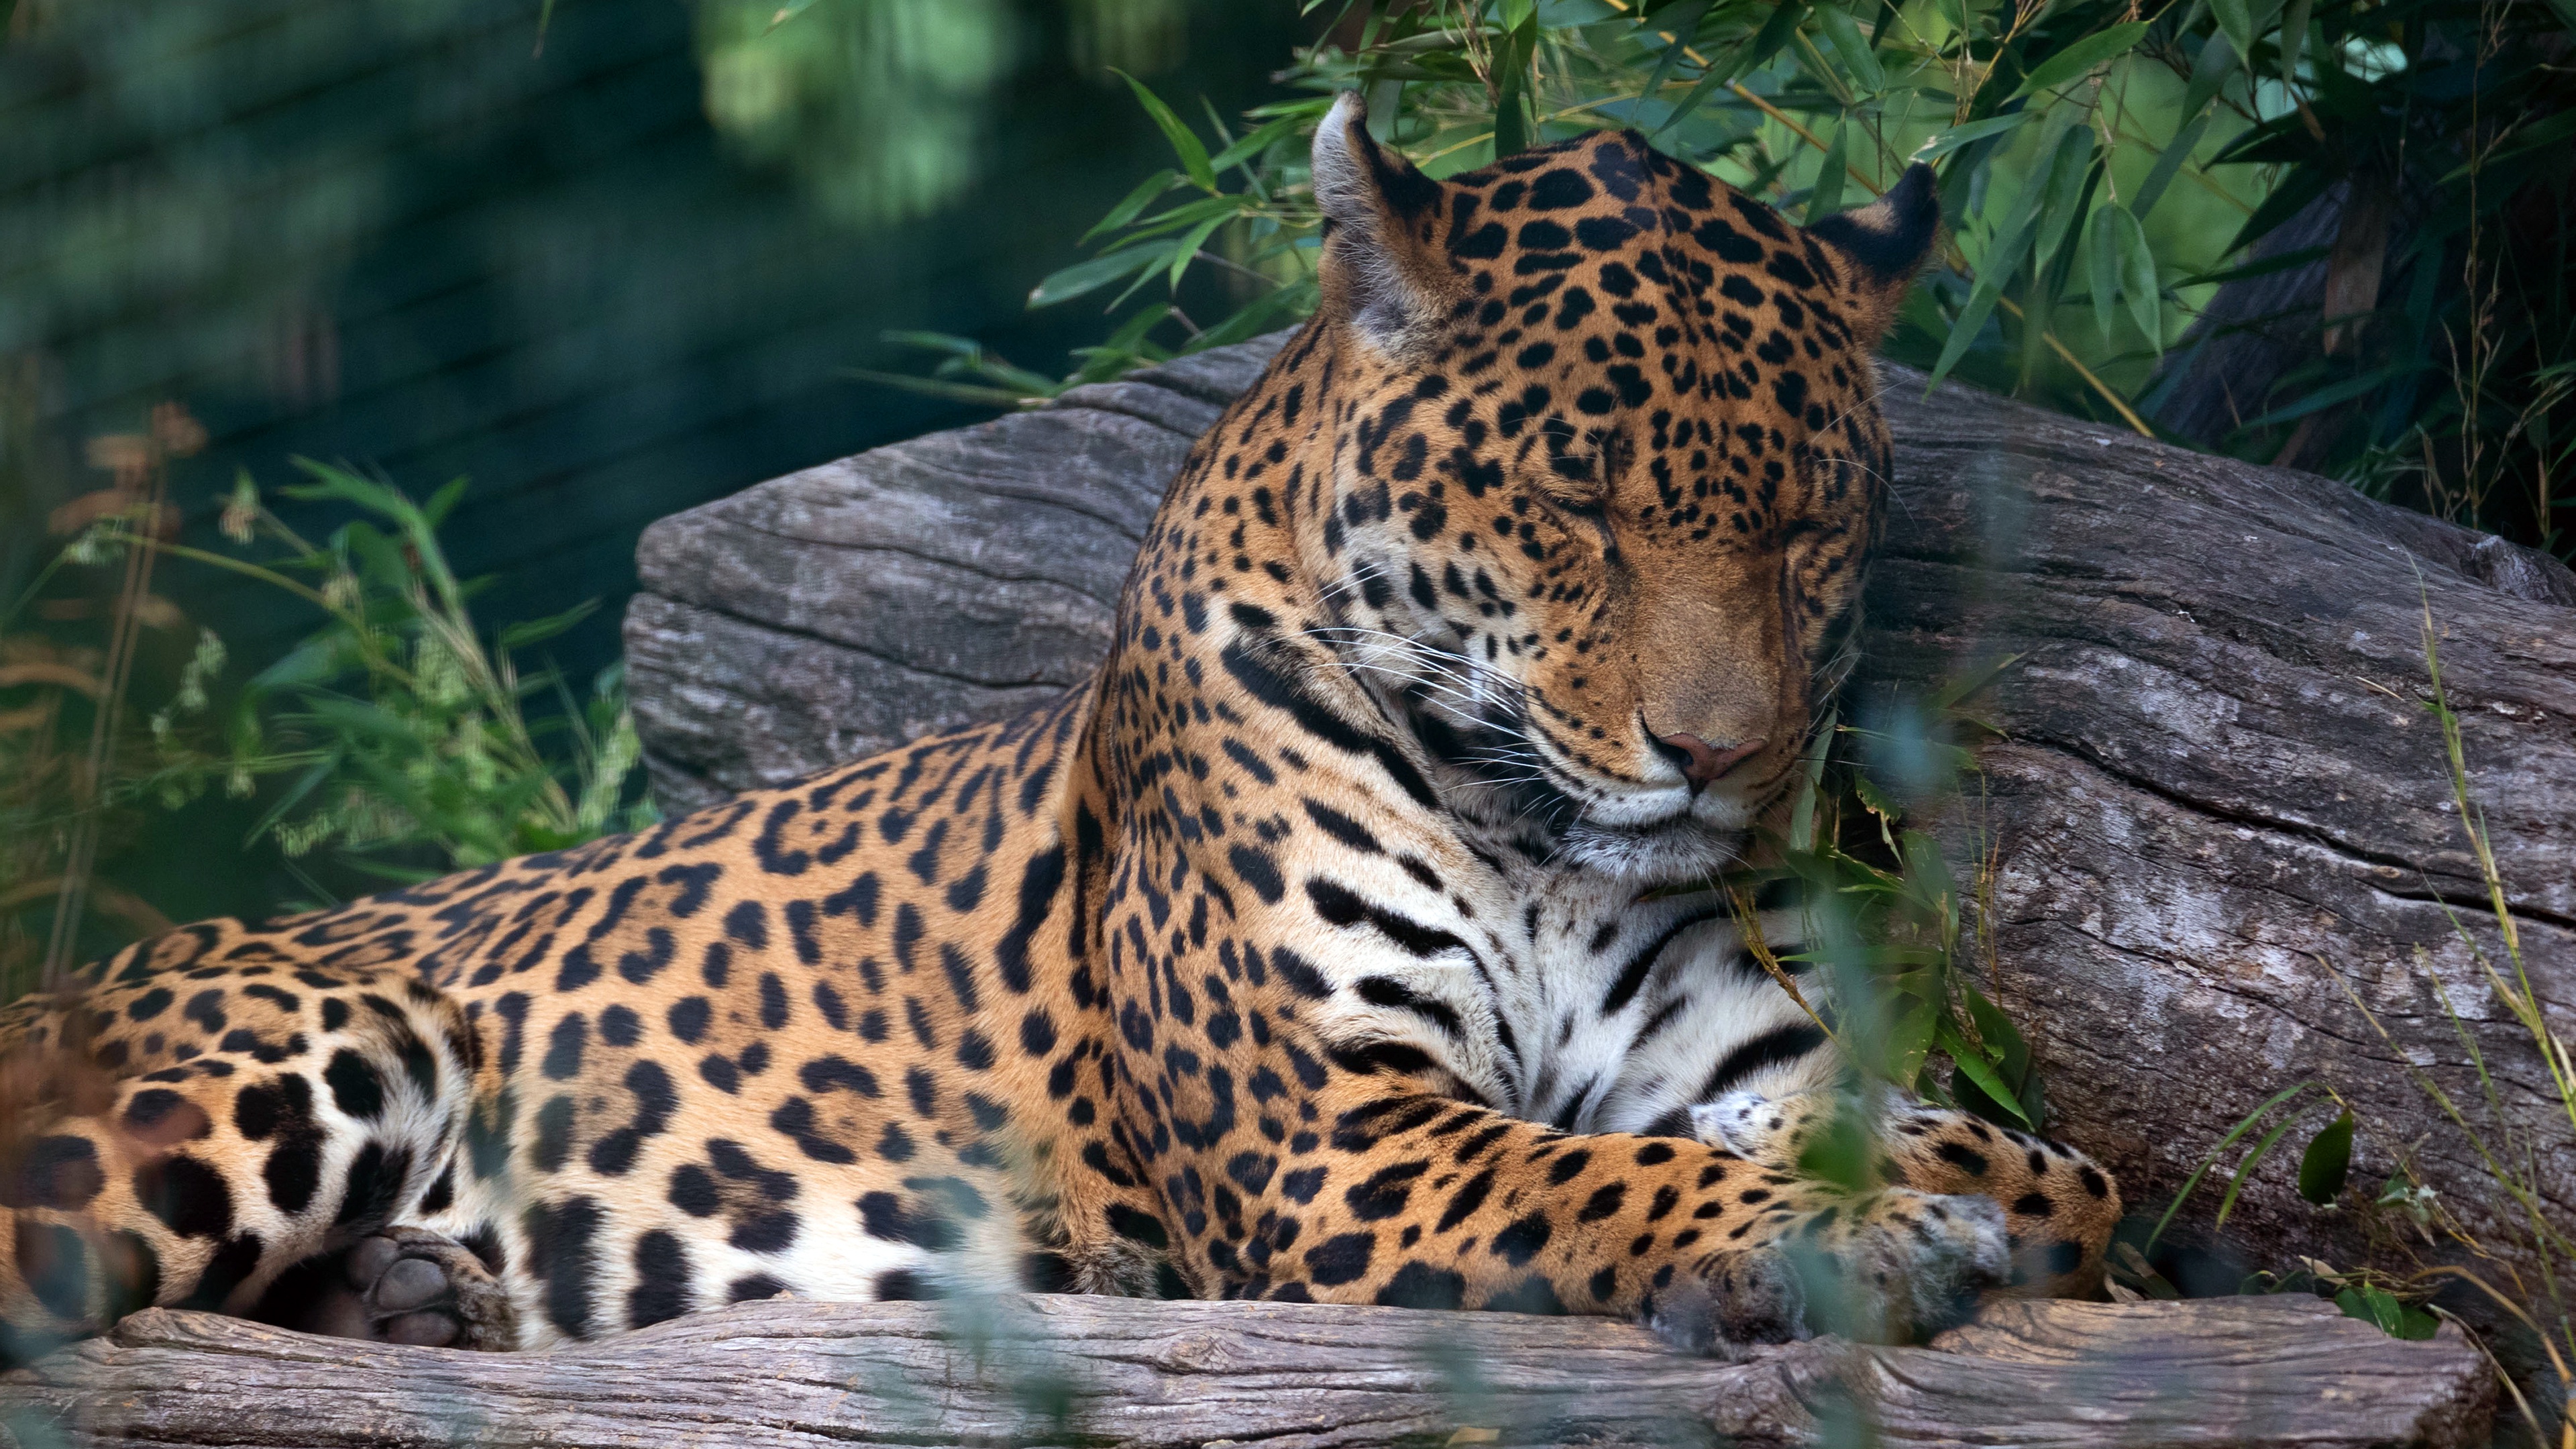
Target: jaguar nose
column 1702, row 763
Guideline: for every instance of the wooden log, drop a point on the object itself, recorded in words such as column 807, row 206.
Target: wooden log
column 1074, row 1370
column 2218, row 798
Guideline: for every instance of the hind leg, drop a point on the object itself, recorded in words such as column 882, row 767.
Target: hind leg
column 2059, row 1208
column 183, row 1137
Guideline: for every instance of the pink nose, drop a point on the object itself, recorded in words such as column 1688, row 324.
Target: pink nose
column 1703, row 763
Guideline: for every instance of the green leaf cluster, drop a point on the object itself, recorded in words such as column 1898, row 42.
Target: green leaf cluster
column 406, row 741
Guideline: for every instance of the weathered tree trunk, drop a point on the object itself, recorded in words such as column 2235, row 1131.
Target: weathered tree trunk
column 1067, row 1370
column 2217, row 799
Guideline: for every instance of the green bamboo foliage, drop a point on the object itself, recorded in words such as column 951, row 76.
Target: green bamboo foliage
column 2105, row 166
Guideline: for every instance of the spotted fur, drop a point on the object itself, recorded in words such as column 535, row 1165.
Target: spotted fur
column 1325, row 945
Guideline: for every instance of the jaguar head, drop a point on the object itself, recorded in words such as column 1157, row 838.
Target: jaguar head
column 1606, row 470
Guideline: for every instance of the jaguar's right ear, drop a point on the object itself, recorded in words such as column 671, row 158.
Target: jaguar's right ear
column 1383, row 271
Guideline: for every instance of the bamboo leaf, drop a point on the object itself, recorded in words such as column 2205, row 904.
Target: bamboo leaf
column 1774, row 34
column 1185, row 143
column 1827, row 197
column 2209, row 74
column 2075, row 60
column 2062, row 206
column 2245, row 1169
column 2294, row 38
column 2138, row 282
column 1857, row 55
column 2243, row 1126
column 1942, row 143
column 1802, row 812
column 2003, row 258
column 2211, row 1159
column 2102, row 266
column 1683, row 21
column 1512, row 61
column 1099, row 272
column 1976, row 1070
column 2168, row 161
column 2005, row 1046
column 1188, row 249
column 1253, row 143
column 1134, row 203
column 2236, row 21
column 2327, row 397
column 1909, row 1040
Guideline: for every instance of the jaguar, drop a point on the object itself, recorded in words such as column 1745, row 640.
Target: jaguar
column 1348, row 936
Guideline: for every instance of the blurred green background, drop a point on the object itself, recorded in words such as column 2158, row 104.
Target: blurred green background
column 607, row 259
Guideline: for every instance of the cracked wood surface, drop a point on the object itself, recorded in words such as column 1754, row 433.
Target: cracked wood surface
column 1070, row 1370
column 2217, row 789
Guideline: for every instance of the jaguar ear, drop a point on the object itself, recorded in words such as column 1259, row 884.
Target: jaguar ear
column 1383, row 272
column 1885, row 243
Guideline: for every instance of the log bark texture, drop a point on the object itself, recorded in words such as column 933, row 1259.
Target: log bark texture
column 1093, row 1371
column 2217, row 800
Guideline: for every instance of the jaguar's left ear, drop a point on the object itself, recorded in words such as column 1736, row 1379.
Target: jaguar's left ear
column 1883, row 245
column 1383, row 272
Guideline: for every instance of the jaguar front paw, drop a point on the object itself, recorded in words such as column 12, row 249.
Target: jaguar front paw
column 1889, row 1267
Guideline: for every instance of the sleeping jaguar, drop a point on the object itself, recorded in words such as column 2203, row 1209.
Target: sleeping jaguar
column 1345, row 938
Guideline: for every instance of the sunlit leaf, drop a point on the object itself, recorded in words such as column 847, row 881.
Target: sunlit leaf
column 1942, row 143
column 1096, row 273
column 1909, row 1040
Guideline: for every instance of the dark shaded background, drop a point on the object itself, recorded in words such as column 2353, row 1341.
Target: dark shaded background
column 401, row 235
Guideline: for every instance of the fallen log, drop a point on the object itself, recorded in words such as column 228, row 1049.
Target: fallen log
column 1075, row 1370
column 2216, row 802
